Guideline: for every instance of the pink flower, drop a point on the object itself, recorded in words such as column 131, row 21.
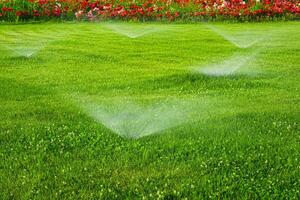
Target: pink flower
column 79, row 14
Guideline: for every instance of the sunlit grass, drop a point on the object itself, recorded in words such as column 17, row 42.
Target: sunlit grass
column 72, row 111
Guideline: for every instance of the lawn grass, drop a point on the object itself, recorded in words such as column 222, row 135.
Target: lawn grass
column 241, row 140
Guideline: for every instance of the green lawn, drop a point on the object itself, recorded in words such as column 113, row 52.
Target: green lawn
column 154, row 111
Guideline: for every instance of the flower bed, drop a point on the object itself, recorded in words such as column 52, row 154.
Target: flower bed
column 243, row 10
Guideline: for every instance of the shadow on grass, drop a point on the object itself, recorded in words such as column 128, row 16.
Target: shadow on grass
column 15, row 61
column 188, row 82
column 11, row 89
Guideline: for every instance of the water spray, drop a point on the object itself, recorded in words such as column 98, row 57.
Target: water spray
column 131, row 31
column 22, row 44
column 242, row 39
column 131, row 120
column 234, row 65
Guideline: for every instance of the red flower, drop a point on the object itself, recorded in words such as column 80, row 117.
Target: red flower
column 19, row 13
column 8, row 9
column 36, row 13
column 42, row 2
column 56, row 11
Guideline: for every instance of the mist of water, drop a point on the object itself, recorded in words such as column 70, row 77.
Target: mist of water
column 234, row 65
column 241, row 39
column 28, row 43
column 131, row 120
column 24, row 51
column 132, row 31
